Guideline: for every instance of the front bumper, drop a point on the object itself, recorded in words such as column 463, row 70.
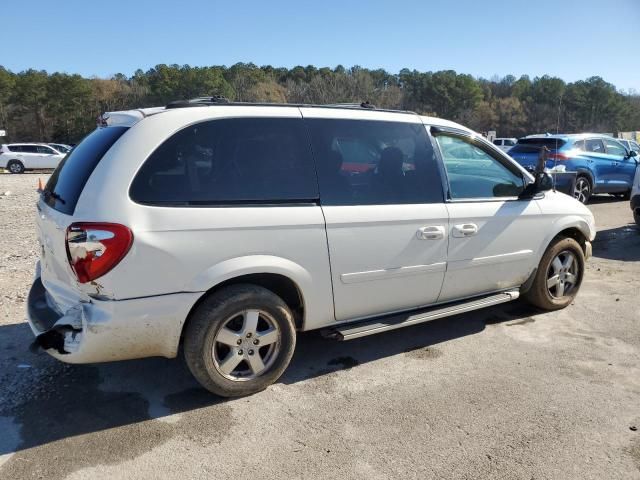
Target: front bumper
column 104, row 331
column 588, row 250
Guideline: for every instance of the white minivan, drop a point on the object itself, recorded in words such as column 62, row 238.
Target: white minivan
column 223, row 229
column 18, row 157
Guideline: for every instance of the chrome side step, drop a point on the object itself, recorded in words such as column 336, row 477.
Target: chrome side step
column 392, row 322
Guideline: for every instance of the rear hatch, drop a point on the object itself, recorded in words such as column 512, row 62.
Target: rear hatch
column 56, row 207
column 526, row 151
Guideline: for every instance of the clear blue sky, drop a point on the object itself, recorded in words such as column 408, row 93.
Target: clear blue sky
column 571, row 39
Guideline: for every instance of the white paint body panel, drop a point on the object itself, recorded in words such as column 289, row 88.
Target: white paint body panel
column 500, row 255
column 347, row 262
column 378, row 263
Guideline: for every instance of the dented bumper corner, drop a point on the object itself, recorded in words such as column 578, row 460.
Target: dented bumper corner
column 108, row 330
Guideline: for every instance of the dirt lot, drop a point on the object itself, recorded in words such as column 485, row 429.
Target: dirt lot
column 501, row 393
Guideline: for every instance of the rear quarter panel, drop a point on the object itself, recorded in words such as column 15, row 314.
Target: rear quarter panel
column 192, row 249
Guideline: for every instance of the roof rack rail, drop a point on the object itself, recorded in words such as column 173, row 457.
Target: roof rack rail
column 220, row 100
column 366, row 104
column 198, row 102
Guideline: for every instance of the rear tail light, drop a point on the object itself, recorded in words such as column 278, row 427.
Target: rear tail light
column 94, row 249
column 560, row 157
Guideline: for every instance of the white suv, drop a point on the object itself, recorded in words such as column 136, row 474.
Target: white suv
column 18, row 157
column 226, row 228
column 505, row 144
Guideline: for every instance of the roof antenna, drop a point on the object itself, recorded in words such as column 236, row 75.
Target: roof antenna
column 555, row 157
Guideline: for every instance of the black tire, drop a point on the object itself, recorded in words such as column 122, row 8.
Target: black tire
column 583, row 189
column 636, row 216
column 15, row 166
column 221, row 309
column 540, row 293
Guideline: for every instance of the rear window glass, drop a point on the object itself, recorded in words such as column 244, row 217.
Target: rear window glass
column 530, row 145
column 67, row 181
column 236, row 160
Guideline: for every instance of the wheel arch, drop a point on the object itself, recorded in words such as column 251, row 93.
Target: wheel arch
column 585, row 172
column 283, row 277
column 577, row 229
column 15, row 160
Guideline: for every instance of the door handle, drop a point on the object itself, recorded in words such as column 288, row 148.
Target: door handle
column 433, row 232
column 615, row 164
column 465, row 230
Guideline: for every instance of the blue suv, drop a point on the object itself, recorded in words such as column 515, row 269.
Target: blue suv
column 602, row 163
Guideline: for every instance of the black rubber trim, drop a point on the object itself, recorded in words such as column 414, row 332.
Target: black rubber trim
column 44, row 317
column 40, row 313
column 526, row 286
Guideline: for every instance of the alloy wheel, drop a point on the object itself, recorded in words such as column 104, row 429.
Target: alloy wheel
column 563, row 273
column 246, row 345
column 582, row 190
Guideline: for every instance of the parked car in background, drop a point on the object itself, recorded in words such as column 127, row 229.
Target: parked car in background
column 630, row 145
column 267, row 230
column 602, row 163
column 18, row 157
column 635, row 198
column 61, row 147
column 505, row 144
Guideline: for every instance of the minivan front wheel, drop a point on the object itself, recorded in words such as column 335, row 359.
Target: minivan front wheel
column 582, row 190
column 239, row 340
column 15, row 166
column 559, row 275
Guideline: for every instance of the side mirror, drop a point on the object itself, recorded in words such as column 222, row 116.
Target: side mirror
column 632, row 154
column 543, row 181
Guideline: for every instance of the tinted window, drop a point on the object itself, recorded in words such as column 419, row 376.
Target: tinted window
column 509, row 143
column 497, row 142
column 239, row 160
column 44, row 150
column 473, row 173
column 367, row 162
column 531, row 145
column 635, row 146
column 615, row 148
column 67, row 181
column 29, row 149
column 579, row 145
column 14, row 148
column 594, row 145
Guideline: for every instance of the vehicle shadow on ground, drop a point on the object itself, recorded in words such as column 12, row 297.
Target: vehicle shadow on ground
column 43, row 400
column 605, row 198
column 620, row 243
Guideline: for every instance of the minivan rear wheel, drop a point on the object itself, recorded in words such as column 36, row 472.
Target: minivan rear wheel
column 15, row 166
column 239, row 340
column 559, row 275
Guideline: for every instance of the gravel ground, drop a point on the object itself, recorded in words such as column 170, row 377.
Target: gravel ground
column 505, row 392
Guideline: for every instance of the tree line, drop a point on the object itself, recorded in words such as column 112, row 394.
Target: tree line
column 40, row 106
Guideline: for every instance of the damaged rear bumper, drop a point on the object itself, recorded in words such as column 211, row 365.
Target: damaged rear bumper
column 108, row 330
